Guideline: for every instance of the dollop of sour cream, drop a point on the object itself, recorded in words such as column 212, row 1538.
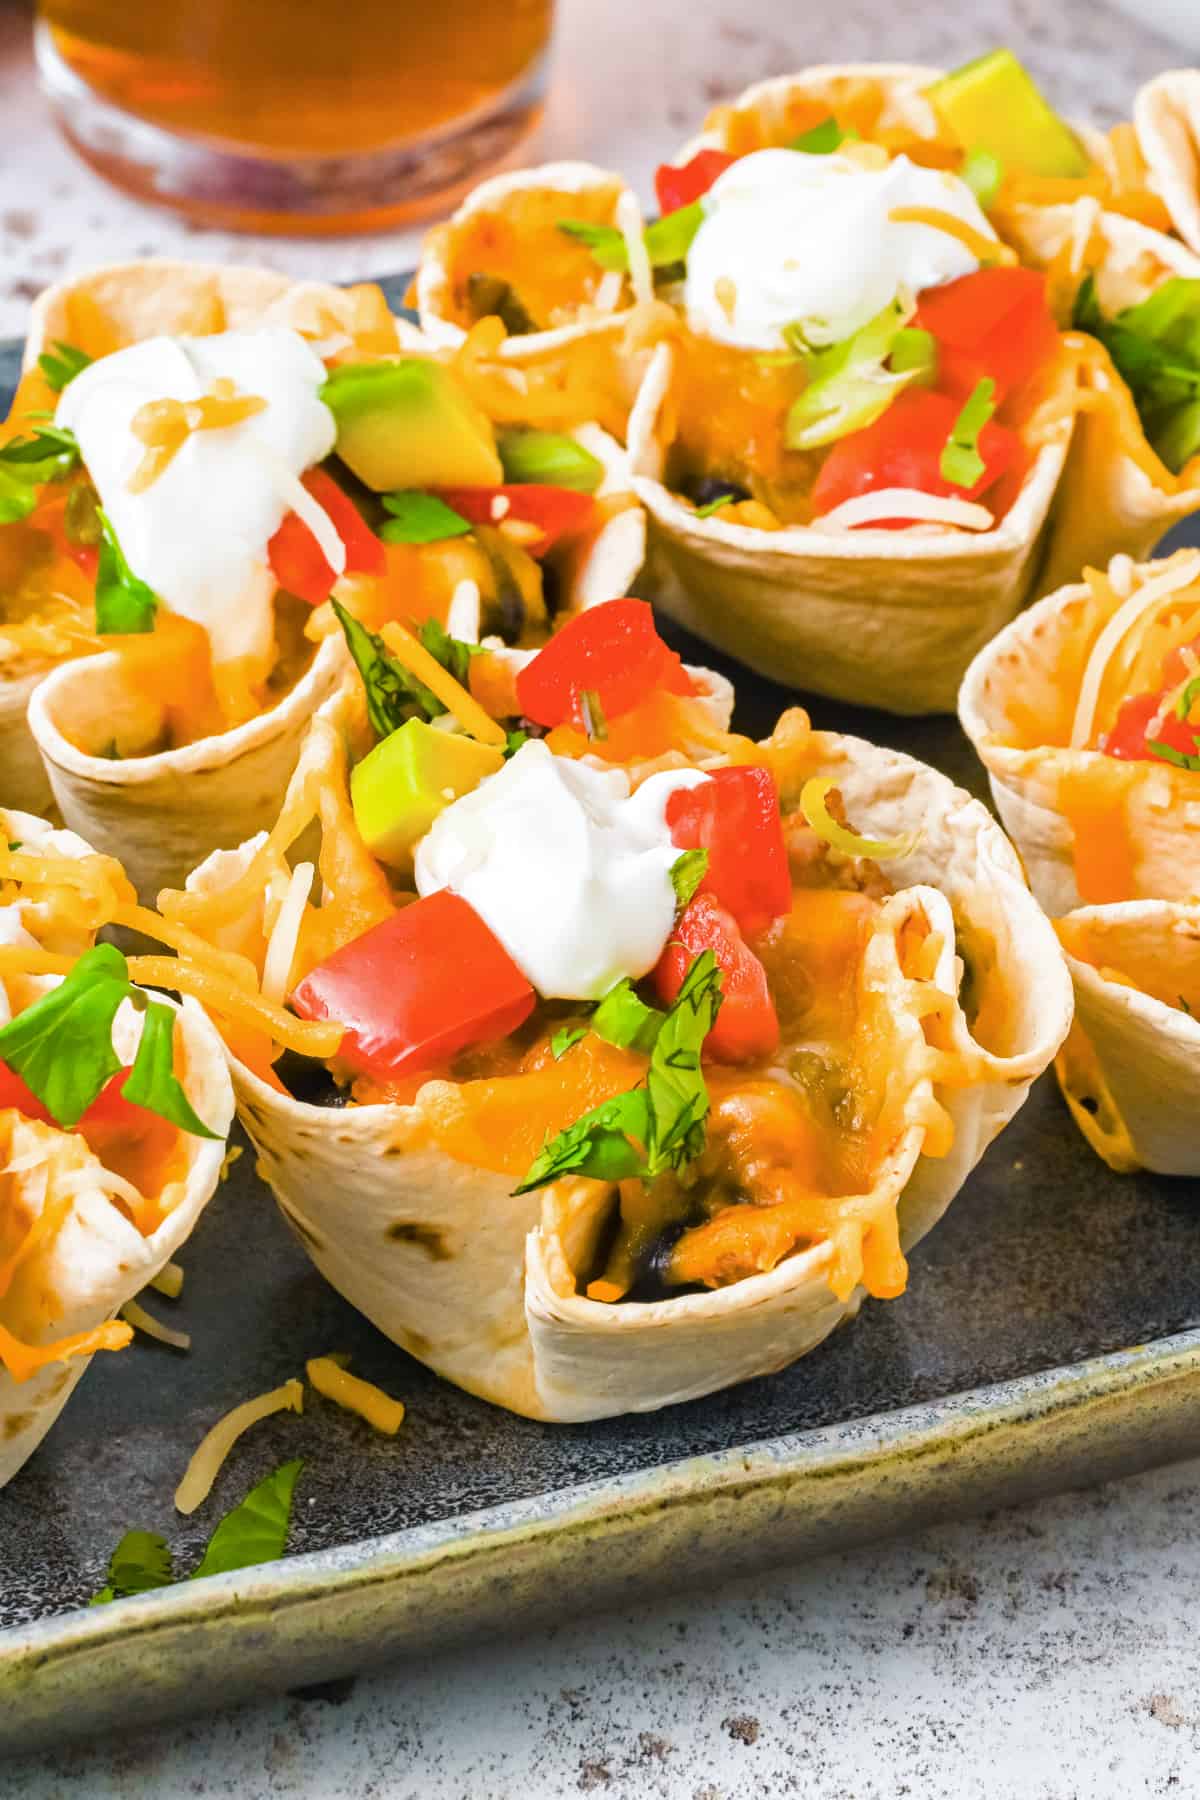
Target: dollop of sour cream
column 568, row 868
column 791, row 237
column 198, row 534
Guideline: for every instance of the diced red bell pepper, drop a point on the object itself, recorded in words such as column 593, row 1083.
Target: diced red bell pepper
column 903, row 449
column 417, row 989
column 610, row 651
column 995, row 322
column 297, row 560
column 678, row 184
column 734, row 815
column 747, row 1025
column 556, row 511
column 109, row 1116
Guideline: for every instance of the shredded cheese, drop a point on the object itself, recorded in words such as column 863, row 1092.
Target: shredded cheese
column 453, row 696
column 609, row 291
column 215, row 1445
column 985, row 249
column 281, row 950
column 906, row 503
column 296, row 497
column 168, row 1281
column 23, row 1360
column 141, row 1320
column 632, row 229
column 1153, row 595
column 355, row 1395
column 463, row 616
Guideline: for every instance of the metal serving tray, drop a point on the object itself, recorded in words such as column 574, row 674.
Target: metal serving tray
column 1049, row 1337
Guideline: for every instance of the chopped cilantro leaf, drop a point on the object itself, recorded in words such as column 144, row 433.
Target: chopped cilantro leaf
column 687, row 872
column 62, row 1046
column 61, row 366
column 566, row 1039
column 255, row 1531
column 420, row 519
column 658, row 1126
column 125, row 606
column 393, row 694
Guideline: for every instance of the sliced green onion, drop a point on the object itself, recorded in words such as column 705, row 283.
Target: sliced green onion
column 915, row 353
column 961, row 463
column 1188, row 698
column 419, row 518
column 1168, row 753
column 605, row 242
column 707, row 511
column 822, row 138
column 551, row 458
column 850, row 387
column 812, row 805
column 667, row 241
column 983, row 172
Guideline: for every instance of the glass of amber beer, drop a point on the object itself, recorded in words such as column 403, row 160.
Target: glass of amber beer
column 294, row 115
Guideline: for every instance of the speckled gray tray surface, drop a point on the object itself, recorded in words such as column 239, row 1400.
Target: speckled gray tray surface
column 1045, row 1260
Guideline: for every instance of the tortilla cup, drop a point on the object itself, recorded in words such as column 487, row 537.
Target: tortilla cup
column 159, row 815
column 892, row 618
column 1091, row 829
column 1166, row 116
column 24, row 782
column 879, row 618
column 1130, row 1070
column 510, row 224
column 96, row 1260
column 235, row 780
column 481, row 1283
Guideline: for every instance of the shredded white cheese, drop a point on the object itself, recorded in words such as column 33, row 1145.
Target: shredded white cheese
column 906, row 503
column 281, row 949
column 215, row 1446
column 142, row 1321
column 609, row 291
column 1153, row 595
column 463, row 616
column 632, row 229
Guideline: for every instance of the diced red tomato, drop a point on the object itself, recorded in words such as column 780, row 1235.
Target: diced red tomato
column 297, row 560
column 996, row 322
column 678, row 184
column 903, row 449
column 417, row 989
column 747, row 1025
column 109, row 1116
column 557, row 512
column 734, row 815
column 610, row 651
column 1130, row 738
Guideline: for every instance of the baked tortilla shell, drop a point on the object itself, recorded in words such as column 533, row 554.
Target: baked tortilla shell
column 880, row 618
column 479, row 1283
column 1130, row 1070
column 97, row 1260
column 892, row 619
column 1166, row 117
column 23, row 779
column 162, row 813
column 1018, row 678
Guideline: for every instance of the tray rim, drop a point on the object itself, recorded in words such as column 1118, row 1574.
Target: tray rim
column 329, row 1613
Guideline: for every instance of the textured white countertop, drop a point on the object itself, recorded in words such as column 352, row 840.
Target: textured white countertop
column 1045, row 1654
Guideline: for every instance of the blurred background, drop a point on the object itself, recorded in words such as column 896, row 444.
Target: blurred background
column 452, row 88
